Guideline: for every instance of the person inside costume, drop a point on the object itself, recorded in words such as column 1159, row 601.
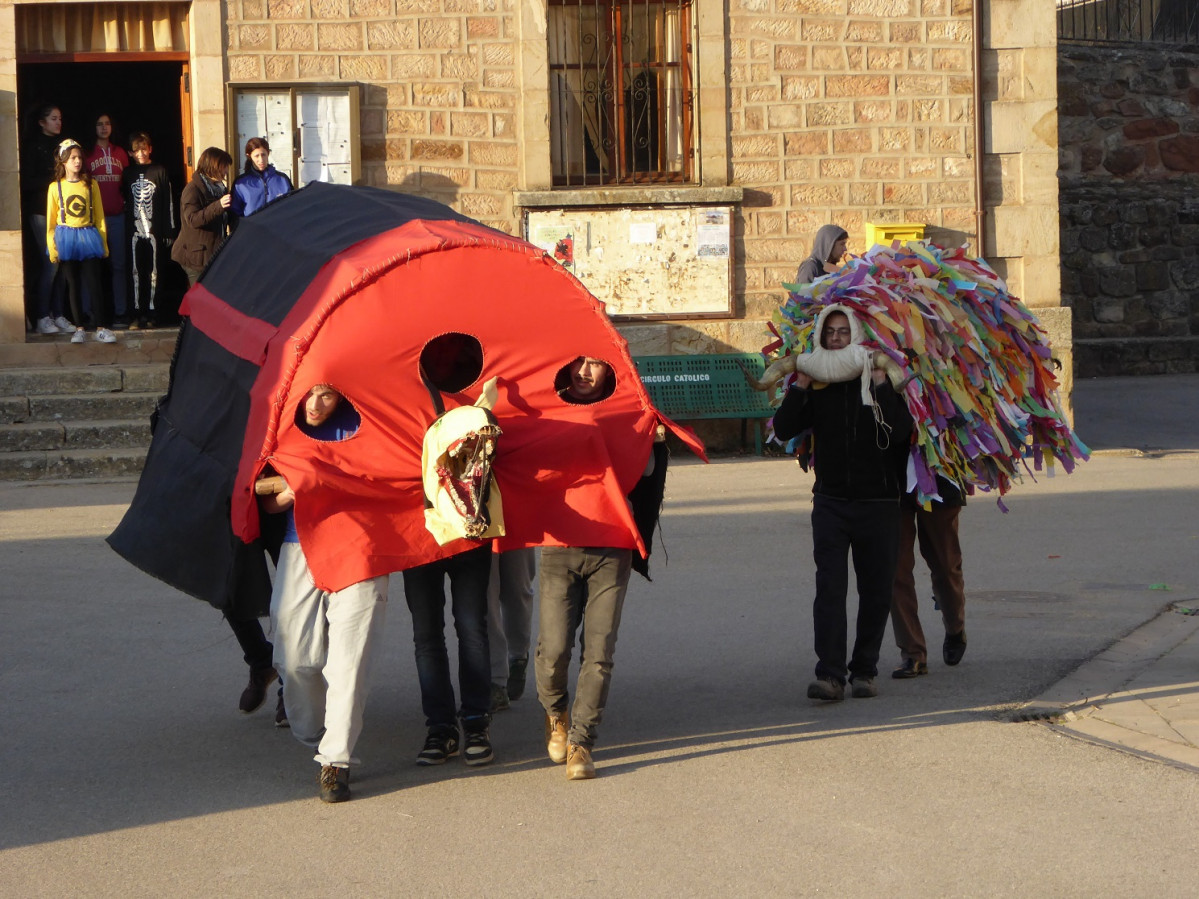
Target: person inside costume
column 260, row 182
column 828, row 249
column 861, row 430
column 461, row 500
column 583, row 588
column 510, row 622
column 106, row 163
column 323, row 640
column 75, row 238
column 936, row 530
column 204, row 213
column 150, row 207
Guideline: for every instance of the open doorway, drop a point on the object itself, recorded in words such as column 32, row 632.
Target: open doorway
column 139, row 95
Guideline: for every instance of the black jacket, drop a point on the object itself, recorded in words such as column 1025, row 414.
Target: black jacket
column 854, row 457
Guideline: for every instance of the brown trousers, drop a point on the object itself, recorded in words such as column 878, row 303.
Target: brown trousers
column 937, row 532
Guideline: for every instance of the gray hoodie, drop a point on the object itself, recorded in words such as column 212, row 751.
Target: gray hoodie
column 822, row 247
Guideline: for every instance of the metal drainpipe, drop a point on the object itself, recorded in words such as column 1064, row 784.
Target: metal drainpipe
column 979, row 211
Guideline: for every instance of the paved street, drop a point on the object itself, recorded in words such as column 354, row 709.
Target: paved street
column 132, row 773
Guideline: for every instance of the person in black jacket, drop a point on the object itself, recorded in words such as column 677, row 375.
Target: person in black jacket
column 860, row 446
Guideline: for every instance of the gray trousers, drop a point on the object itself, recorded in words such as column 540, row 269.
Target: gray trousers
column 323, row 647
column 579, row 586
column 510, row 609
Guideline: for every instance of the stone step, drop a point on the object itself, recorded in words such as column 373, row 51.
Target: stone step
column 59, row 381
column 61, row 435
column 71, row 464
column 92, row 407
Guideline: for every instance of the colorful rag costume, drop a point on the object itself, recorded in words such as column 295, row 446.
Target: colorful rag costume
column 977, row 365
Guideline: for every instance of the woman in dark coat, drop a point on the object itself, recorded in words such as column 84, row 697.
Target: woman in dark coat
column 204, row 213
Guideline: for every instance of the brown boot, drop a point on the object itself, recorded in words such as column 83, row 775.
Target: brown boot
column 556, row 727
column 578, row 763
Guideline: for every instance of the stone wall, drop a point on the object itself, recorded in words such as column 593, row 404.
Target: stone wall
column 439, row 86
column 1129, row 186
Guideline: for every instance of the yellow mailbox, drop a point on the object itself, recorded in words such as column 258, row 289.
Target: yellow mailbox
column 886, row 232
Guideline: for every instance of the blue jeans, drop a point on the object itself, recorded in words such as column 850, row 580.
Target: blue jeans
column 44, row 292
column 424, row 590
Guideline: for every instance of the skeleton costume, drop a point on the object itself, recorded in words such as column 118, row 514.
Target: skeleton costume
column 150, row 224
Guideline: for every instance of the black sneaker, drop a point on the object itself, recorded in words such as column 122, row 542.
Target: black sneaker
column 440, row 744
column 499, row 698
column 254, row 695
column 910, row 668
column 335, row 784
column 477, row 738
column 517, row 672
column 954, row 648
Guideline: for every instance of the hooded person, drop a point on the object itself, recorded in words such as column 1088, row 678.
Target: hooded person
column 861, row 431
column 827, row 251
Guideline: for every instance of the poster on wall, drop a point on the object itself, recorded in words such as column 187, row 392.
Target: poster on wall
column 659, row 262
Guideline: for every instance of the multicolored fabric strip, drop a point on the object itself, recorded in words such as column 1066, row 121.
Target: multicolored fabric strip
column 979, row 368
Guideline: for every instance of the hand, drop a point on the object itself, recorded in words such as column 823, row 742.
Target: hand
column 802, row 381
column 877, row 375
column 225, row 201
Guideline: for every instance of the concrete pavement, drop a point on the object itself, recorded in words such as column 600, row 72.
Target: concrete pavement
column 1140, row 695
column 131, row 773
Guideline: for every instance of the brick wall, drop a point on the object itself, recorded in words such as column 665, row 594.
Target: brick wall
column 846, row 111
column 1129, row 186
column 439, row 86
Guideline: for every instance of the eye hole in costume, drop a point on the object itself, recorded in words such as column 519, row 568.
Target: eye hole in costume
column 452, row 361
column 339, row 423
column 585, row 390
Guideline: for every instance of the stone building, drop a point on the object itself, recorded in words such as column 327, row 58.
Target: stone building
column 1129, row 184
column 764, row 118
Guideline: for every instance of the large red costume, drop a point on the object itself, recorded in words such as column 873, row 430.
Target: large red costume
column 267, row 322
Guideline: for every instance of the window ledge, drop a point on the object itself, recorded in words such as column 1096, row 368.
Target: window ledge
column 628, row 196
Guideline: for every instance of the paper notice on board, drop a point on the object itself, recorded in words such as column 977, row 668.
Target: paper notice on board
column 643, row 232
column 712, row 241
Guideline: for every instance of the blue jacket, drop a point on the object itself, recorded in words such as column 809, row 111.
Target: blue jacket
column 255, row 189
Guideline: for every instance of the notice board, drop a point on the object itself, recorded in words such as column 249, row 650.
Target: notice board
column 644, row 262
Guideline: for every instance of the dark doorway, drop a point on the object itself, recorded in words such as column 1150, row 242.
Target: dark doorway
column 139, row 96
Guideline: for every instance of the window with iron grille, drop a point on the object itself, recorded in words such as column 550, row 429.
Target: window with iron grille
column 621, row 91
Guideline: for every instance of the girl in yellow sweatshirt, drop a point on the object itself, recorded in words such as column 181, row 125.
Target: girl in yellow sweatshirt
column 76, row 237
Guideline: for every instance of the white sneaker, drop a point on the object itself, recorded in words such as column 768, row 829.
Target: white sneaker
column 63, row 325
column 46, row 326
column 78, row 338
column 103, row 335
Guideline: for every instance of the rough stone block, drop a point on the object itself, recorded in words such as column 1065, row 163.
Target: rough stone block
column 399, row 35
column 853, row 140
column 407, row 121
column 857, row 86
column 434, row 149
column 318, row 66
column 1180, row 154
column 864, row 32
column 800, row 87
column 363, row 68
column 1108, row 311
column 287, row 9
column 339, row 36
column 1117, row 280
column 825, row 114
column 442, row 33
column 294, row 36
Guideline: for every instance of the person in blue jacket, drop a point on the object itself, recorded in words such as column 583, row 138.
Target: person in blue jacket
column 260, row 183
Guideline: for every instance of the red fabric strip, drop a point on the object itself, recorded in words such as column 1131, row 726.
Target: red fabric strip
column 241, row 335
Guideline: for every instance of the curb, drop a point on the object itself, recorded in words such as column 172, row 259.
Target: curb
column 1139, row 696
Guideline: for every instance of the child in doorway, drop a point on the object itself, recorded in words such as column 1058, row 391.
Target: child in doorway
column 106, row 163
column 150, row 224
column 76, row 238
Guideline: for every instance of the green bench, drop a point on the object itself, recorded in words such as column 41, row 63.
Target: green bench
column 714, row 386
